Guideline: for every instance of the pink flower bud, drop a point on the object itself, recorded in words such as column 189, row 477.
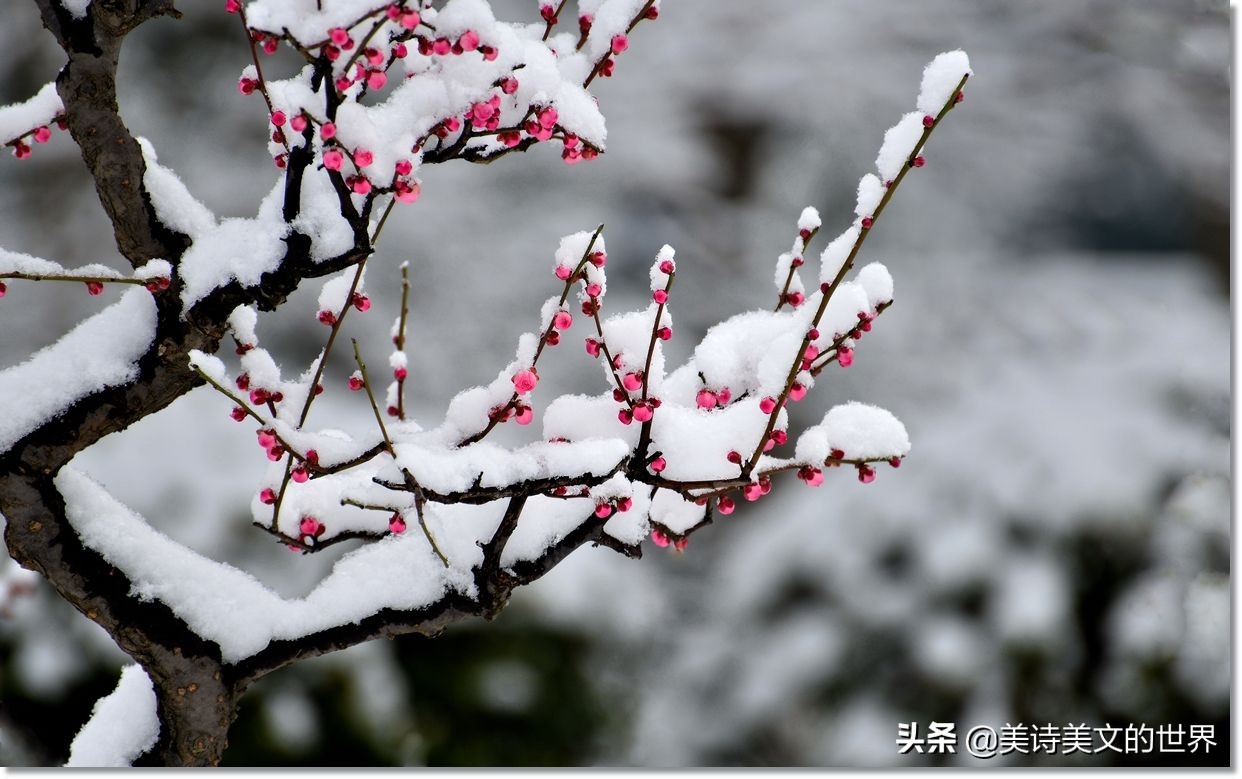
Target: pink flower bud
column 625, row 416
column 681, row 544
column 298, row 123
column 42, row 135
column 563, row 320
column 928, row 120
column 408, row 193
column 267, row 439
column 706, row 399
column 327, row 131
column 279, row 118
column 632, row 381
column 404, row 167
column 866, row 474
column 309, row 526
column 563, row 272
column 333, row 159
column 267, row 495
column 812, row 476
column 339, row 36
column 400, row 373
column 355, row 382
column 734, row 457
column 598, row 259
column 918, row 161
column 94, row 287
column 363, row 157
column 725, row 505
column 4, row 289
column 524, row 415
column 845, row 357
column 664, row 333
column 658, row 465
column 659, row 539
column 867, row 221
column 795, row 299
column 592, row 347
column 895, row 462
column 767, row 405
column 360, row 184
column 410, row 20
column 232, row 6
column 376, row 79
column 441, row 46
column 326, row 317
column 525, row 380
column 547, row 117
column 660, row 296
column 299, row 474
column 797, row 392
column 396, row 525
column 238, row 414
column 603, row 511
column 619, row 44
column 469, row 40
column 723, row 396
column 643, row 413
column 509, row 85
column 752, row 492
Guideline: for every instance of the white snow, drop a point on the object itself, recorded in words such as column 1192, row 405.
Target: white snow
column 123, row 725
column 940, row 80
column 231, row 607
column 100, row 352
column 899, row 143
column 173, row 203
column 861, row 431
column 18, row 119
column 235, row 249
column 836, row 253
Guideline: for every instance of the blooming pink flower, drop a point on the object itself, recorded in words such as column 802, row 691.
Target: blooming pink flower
column 525, row 380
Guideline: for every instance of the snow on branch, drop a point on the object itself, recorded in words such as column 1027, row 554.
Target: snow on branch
column 155, row 275
column 102, row 351
column 655, row 452
column 31, row 121
column 233, row 609
column 123, row 725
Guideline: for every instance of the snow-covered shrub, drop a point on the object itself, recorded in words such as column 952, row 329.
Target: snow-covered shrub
column 452, row 521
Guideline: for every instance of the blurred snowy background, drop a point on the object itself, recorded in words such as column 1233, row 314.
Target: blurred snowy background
column 1056, row 547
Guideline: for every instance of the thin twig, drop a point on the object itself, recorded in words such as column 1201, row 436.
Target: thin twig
column 845, row 268
column 366, row 384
